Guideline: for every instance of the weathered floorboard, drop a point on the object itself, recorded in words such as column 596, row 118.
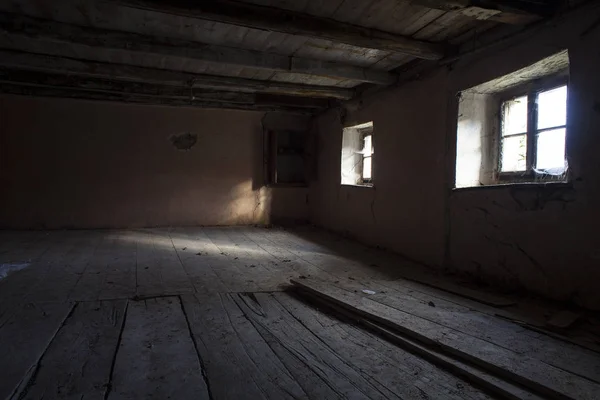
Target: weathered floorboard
column 78, row 362
column 157, row 358
column 23, row 340
column 504, row 333
column 543, row 378
column 239, row 363
column 406, row 375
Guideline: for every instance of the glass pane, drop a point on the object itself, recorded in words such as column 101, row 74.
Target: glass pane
column 368, row 149
column 551, row 150
column 514, row 153
column 367, row 168
column 552, row 108
column 514, row 116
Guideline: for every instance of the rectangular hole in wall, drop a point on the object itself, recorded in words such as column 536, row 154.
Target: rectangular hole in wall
column 357, row 159
column 513, row 129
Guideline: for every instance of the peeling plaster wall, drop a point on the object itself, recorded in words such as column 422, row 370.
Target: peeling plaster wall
column 542, row 239
column 80, row 164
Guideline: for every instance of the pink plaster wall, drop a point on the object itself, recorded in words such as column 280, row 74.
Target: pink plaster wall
column 542, row 240
column 80, row 164
column 404, row 211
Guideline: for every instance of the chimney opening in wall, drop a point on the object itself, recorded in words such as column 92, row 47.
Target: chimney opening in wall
column 357, row 159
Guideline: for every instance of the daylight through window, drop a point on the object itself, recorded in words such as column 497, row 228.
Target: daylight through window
column 533, row 132
column 357, row 155
column 513, row 128
column 367, row 153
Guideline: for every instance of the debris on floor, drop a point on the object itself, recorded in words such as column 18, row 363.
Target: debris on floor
column 8, row 268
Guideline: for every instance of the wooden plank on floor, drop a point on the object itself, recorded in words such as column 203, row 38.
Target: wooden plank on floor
column 311, row 365
column 405, row 375
column 346, row 370
column 157, row 358
column 540, row 377
column 492, row 384
column 23, row 339
column 463, row 319
column 78, row 362
column 239, row 364
column 425, row 357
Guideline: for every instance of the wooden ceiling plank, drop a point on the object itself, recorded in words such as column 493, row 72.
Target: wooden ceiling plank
column 271, row 19
column 503, row 11
column 17, row 27
column 35, row 62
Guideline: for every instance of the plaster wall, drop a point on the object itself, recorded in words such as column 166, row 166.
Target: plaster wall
column 541, row 239
column 83, row 164
column 404, row 210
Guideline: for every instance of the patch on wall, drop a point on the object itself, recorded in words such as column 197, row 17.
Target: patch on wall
column 184, row 141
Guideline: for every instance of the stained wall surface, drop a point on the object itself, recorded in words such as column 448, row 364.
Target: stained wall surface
column 83, row 164
column 536, row 238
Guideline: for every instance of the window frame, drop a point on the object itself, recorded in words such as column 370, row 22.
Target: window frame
column 531, row 90
column 361, row 130
column 363, row 135
column 271, row 154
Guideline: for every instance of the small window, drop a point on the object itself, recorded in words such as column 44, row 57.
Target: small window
column 513, row 128
column 285, row 158
column 358, row 155
column 367, row 154
column 533, row 132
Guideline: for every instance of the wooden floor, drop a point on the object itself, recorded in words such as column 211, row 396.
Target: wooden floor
column 202, row 313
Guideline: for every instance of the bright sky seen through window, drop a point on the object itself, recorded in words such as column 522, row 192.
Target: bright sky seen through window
column 549, row 130
column 367, row 154
column 514, row 135
column 552, row 113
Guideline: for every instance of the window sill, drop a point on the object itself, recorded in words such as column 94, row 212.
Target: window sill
column 359, row 185
column 532, row 185
column 287, row 185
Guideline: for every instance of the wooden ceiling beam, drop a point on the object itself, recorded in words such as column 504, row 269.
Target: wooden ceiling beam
column 134, row 98
column 63, row 65
column 20, row 30
column 190, row 94
column 504, row 11
column 293, row 23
